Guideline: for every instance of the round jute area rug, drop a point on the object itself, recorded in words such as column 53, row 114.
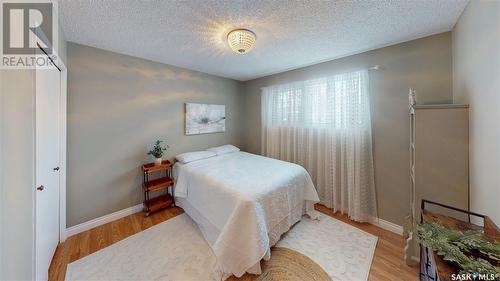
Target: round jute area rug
column 287, row 265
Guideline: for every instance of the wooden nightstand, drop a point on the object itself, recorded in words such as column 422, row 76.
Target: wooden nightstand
column 164, row 182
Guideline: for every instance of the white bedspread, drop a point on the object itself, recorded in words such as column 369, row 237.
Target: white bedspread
column 242, row 203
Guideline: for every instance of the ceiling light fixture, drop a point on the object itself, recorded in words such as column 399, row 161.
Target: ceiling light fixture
column 241, row 40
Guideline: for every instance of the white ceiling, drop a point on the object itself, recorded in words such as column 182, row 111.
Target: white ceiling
column 290, row 34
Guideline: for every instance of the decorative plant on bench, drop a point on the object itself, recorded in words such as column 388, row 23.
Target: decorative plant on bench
column 469, row 250
column 157, row 151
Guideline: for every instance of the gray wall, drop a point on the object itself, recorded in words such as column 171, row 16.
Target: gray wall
column 1, row 185
column 117, row 107
column 476, row 80
column 17, row 173
column 2, row 165
column 424, row 64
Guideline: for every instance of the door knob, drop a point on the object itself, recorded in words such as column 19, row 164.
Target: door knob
column 56, row 169
column 41, row 187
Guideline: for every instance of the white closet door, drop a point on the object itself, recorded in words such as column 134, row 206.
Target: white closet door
column 47, row 172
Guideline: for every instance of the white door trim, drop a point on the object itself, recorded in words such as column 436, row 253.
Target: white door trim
column 63, row 141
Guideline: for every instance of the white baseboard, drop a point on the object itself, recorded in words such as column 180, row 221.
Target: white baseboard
column 102, row 220
column 392, row 227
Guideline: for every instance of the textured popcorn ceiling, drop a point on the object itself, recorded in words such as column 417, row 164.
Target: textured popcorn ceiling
column 290, row 34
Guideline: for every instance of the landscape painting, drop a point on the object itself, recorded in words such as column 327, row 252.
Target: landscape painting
column 205, row 118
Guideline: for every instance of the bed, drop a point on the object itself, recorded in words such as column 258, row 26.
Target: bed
column 242, row 204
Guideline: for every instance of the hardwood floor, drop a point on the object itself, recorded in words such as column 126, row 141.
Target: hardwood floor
column 387, row 263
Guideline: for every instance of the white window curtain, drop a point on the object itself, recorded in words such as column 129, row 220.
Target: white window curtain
column 324, row 125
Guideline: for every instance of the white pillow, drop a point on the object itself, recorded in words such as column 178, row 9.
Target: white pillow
column 193, row 156
column 223, row 149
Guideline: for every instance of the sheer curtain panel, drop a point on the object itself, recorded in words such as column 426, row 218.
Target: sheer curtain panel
column 324, row 125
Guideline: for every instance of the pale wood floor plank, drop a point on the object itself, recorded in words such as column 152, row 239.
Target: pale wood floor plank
column 387, row 263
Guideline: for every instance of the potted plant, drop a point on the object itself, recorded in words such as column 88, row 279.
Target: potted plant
column 157, row 152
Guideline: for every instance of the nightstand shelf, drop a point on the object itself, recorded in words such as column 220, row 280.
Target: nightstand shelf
column 159, row 202
column 159, row 184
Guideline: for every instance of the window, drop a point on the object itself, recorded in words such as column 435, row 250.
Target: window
column 340, row 101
